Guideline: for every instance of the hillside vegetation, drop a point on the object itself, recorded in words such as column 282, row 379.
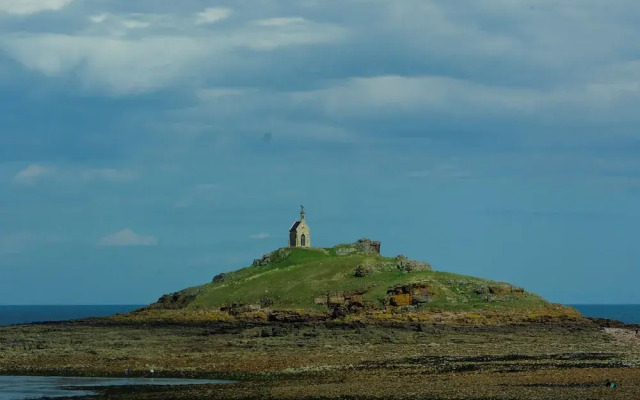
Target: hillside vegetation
column 347, row 280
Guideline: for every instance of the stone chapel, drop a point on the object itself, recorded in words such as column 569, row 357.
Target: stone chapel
column 300, row 233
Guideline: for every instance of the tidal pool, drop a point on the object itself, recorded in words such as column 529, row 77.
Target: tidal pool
column 35, row 387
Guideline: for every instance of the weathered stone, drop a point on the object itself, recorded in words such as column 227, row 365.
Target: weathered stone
column 399, row 300
column 345, row 251
column 406, row 265
column 363, row 270
column 419, row 299
column 219, row 278
column 411, row 294
column 321, row 300
column 285, row 316
column 339, row 312
column 266, row 302
column 500, row 289
column 272, row 258
column 336, row 299
column 368, row 246
column 175, row 300
column 262, row 262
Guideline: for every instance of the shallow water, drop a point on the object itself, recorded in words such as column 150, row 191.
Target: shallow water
column 35, row 387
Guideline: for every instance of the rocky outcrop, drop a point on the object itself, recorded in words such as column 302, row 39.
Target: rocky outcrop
column 368, row 246
column 413, row 294
column 406, row 265
column 402, row 263
column 175, row 300
column 499, row 292
column 236, row 309
column 272, row 258
column 219, row 278
column 362, row 246
column 343, row 303
column 363, row 270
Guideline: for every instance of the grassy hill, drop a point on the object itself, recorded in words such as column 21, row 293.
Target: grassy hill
column 350, row 279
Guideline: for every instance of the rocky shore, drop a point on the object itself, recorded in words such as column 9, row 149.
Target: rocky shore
column 337, row 359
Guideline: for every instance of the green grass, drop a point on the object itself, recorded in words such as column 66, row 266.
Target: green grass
column 294, row 283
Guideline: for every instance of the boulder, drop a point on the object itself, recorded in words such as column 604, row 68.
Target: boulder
column 345, row 251
column 272, row 258
column 413, row 294
column 363, row 270
column 406, row 265
column 368, row 246
column 399, row 300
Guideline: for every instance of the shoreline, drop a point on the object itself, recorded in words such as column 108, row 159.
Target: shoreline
column 334, row 359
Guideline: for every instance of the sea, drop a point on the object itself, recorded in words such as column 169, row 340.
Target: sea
column 629, row 313
column 10, row 315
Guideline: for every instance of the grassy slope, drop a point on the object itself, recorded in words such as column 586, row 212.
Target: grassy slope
column 295, row 282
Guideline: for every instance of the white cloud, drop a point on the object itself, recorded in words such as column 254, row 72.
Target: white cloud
column 116, row 65
column 127, row 237
column 108, row 59
column 32, row 173
column 396, row 96
column 98, row 19
column 260, row 236
column 23, row 7
column 280, row 21
column 211, row 15
column 134, row 24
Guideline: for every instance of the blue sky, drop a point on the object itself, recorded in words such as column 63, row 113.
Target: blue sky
column 147, row 146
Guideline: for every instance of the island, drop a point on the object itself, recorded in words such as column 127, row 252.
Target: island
column 342, row 322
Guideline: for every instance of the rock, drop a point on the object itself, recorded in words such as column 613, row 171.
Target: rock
column 266, row 302
column 368, row 246
column 363, row 270
column 272, row 258
column 339, row 312
column 336, row 299
column 500, row 289
column 345, row 251
column 398, row 300
column 285, row 316
column 262, row 262
column 238, row 309
column 413, row 294
column 174, row 300
column 406, row 265
column 219, row 278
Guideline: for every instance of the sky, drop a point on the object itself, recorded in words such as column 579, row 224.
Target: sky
column 147, row 146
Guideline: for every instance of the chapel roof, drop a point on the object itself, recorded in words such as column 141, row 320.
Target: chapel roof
column 295, row 226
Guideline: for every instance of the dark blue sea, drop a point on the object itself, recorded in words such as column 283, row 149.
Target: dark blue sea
column 629, row 313
column 10, row 315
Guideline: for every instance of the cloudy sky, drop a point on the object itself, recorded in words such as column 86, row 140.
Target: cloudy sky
column 147, row 145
